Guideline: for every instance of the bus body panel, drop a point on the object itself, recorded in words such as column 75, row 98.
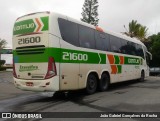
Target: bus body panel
column 38, row 85
column 32, row 44
column 31, row 64
column 73, row 64
column 69, row 72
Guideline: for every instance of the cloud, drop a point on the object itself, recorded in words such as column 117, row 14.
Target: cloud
column 116, row 13
column 113, row 14
column 14, row 9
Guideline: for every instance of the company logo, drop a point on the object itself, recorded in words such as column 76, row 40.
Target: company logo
column 28, row 68
column 6, row 115
column 25, row 26
column 31, row 25
column 134, row 61
column 21, row 115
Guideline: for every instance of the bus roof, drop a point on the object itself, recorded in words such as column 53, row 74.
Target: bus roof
column 58, row 15
column 107, row 31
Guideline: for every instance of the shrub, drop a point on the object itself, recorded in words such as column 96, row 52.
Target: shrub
column 2, row 62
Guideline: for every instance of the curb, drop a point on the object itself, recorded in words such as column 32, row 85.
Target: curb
column 4, row 71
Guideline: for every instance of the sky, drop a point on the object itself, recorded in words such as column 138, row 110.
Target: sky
column 113, row 14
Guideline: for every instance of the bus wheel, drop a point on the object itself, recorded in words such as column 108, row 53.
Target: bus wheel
column 142, row 76
column 104, row 82
column 91, row 84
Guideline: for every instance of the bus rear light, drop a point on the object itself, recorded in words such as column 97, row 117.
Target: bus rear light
column 14, row 70
column 51, row 68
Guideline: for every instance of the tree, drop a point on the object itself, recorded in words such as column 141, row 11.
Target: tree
column 2, row 45
column 137, row 30
column 142, row 33
column 90, row 12
column 154, row 49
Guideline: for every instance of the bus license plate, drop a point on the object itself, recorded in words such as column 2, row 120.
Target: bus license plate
column 29, row 83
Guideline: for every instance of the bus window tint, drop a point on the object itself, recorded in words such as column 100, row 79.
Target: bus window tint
column 115, row 44
column 102, row 41
column 69, row 31
column 139, row 50
column 86, row 37
column 133, row 48
column 124, row 46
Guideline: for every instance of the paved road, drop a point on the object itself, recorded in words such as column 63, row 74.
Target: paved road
column 132, row 96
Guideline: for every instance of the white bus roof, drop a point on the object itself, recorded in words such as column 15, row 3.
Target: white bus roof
column 106, row 31
column 58, row 15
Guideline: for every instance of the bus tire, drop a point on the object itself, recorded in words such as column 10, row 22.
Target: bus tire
column 142, row 76
column 91, row 86
column 104, row 82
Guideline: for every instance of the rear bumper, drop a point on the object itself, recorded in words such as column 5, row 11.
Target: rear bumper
column 38, row 85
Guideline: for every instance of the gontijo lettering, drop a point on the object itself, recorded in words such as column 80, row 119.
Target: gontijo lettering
column 25, row 26
column 133, row 61
column 36, row 24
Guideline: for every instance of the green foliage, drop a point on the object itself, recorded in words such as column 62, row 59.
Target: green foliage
column 90, row 12
column 137, row 30
column 2, row 62
column 152, row 42
column 2, row 68
column 2, row 43
column 154, row 48
column 133, row 28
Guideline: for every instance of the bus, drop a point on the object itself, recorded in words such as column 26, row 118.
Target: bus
column 55, row 53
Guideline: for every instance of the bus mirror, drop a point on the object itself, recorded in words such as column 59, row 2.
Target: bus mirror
column 150, row 55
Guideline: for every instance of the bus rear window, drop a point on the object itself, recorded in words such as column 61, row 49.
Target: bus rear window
column 69, row 31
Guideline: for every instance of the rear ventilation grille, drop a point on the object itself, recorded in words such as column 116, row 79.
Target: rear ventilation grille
column 30, row 50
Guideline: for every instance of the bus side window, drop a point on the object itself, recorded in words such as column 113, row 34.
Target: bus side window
column 86, row 37
column 102, row 41
column 133, row 48
column 139, row 51
column 115, row 44
column 69, row 31
column 123, row 47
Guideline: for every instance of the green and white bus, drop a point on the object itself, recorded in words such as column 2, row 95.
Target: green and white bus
column 53, row 52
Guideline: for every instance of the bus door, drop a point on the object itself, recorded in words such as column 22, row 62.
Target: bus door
column 69, row 69
column 69, row 65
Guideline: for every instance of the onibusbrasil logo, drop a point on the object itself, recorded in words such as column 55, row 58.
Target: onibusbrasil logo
column 28, row 68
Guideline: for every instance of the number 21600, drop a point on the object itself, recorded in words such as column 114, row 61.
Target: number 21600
column 75, row 56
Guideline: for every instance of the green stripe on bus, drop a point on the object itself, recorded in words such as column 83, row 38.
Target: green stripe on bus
column 103, row 58
column 119, row 69
column 30, row 25
column 45, row 21
column 58, row 53
column 132, row 61
column 117, row 60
